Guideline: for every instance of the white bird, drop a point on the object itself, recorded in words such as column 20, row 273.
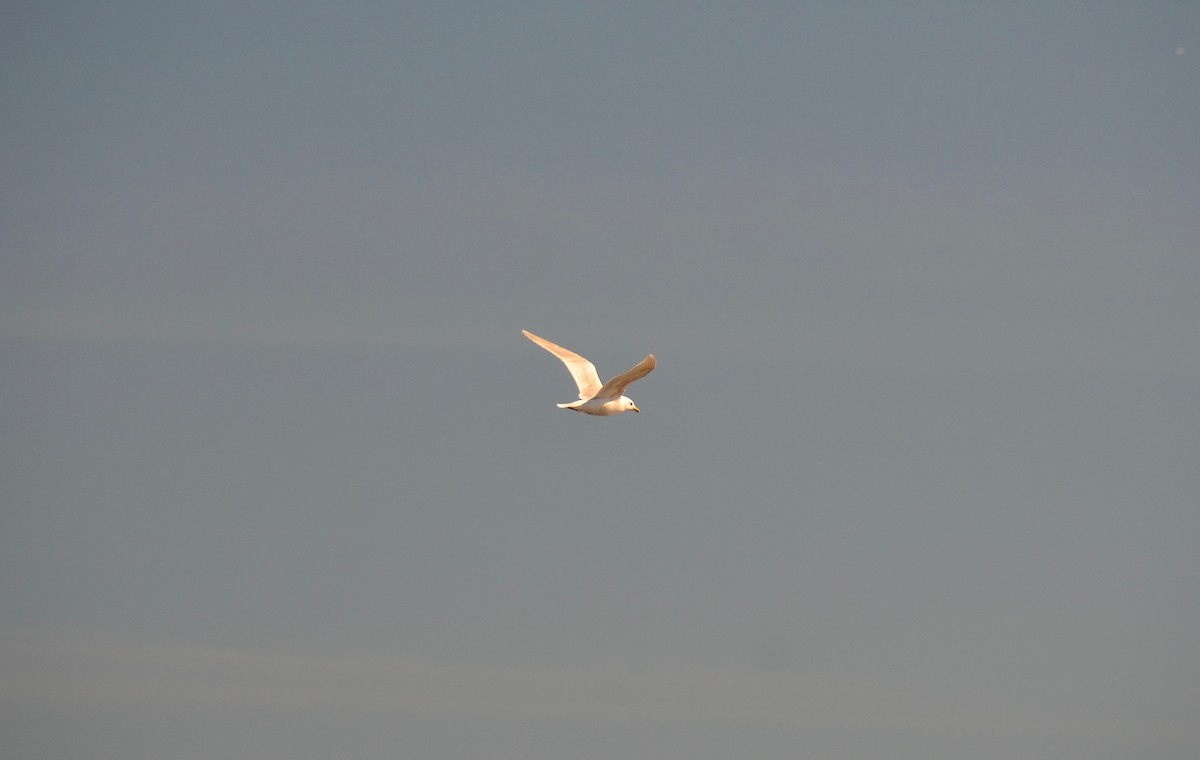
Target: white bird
column 596, row 398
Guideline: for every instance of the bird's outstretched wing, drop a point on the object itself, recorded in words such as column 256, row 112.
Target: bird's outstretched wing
column 581, row 369
column 615, row 387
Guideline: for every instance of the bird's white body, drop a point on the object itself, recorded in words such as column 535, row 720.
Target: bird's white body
column 596, row 398
column 602, row 407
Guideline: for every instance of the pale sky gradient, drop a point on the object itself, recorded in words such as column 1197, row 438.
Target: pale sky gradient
column 916, row 476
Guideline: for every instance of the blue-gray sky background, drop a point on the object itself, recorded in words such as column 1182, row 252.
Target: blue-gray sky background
column 916, row 477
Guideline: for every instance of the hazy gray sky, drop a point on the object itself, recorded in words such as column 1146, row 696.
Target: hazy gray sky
column 915, row 478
